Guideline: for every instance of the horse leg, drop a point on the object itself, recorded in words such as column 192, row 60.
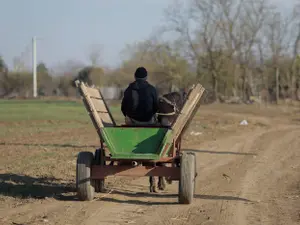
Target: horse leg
column 152, row 184
column 161, row 183
column 161, row 180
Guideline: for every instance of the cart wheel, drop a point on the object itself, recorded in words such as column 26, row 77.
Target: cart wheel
column 99, row 160
column 84, row 184
column 196, row 173
column 187, row 178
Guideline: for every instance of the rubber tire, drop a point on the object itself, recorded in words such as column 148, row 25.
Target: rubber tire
column 187, row 178
column 196, row 173
column 84, row 183
column 99, row 160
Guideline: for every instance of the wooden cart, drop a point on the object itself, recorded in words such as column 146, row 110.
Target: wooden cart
column 136, row 151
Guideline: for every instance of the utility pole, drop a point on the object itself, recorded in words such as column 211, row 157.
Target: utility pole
column 34, row 67
column 277, row 84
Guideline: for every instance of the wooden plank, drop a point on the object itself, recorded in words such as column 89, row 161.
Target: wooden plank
column 95, row 123
column 92, row 97
column 99, row 105
column 93, row 92
column 188, row 110
column 107, row 109
column 91, row 108
column 192, row 104
column 98, row 111
column 106, row 120
column 102, row 112
column 96, row 107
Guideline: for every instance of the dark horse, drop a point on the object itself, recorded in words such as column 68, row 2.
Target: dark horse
column 169, row 107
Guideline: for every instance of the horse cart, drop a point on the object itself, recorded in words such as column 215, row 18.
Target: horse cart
column 136, row 151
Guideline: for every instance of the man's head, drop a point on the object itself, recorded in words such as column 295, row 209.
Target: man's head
column 141, row 74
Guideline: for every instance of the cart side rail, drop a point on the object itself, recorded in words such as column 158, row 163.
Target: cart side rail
column 188, row 110
column 96, row 106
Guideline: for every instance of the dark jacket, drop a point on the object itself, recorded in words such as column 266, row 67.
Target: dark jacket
column 140, row 101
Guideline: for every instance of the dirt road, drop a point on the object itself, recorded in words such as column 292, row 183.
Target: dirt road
column 251, row 176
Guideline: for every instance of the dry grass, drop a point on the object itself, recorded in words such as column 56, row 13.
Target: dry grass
column 39, row 143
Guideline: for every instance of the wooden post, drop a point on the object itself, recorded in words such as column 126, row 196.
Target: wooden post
column 277, row 85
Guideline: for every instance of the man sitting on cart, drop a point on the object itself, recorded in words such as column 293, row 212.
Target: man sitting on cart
column 140, row 101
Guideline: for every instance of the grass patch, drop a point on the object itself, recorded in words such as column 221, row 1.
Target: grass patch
column 21, row 117
column 32, row 110
column 47, row 110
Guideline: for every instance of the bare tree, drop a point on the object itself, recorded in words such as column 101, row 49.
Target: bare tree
column 204, row 46
column 295, row 81
column 251, row 17
column 278, row 35
column 95, row 55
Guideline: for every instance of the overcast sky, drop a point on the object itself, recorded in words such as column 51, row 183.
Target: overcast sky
column 68, row 29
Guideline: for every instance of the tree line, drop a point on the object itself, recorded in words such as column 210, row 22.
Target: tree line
column 235, row 48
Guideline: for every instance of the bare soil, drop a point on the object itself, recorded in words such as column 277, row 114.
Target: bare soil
column 246, row 175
